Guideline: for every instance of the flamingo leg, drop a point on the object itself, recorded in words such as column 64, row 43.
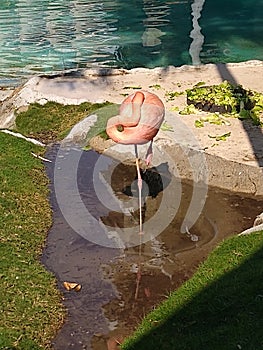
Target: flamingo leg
column 139, row 185
column 149, row 154
column 139, row 273
column 140, row 192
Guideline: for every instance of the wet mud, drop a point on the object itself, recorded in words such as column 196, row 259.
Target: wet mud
column 123, row 282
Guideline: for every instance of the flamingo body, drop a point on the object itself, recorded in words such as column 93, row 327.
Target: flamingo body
column 140, row 116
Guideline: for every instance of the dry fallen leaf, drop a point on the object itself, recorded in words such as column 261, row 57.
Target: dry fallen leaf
column 147, row 292
column 114, row 343
column 72, row 286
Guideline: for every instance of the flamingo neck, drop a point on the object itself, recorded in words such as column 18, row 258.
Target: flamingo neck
column 137, row 102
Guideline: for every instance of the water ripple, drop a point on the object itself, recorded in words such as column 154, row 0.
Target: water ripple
column 43, row 36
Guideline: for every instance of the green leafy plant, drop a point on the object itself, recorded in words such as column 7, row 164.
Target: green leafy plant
column 220, row 137
column 226, row 98
column 174, row 108
column 190, row 109
column 199, row 123
column 200, row 83
column 172, row 94
column 132, row 87
column 166, row 127
column 213, row 118
column 155, row 86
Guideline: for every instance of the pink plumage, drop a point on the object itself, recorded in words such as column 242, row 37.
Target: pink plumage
column 140, row 116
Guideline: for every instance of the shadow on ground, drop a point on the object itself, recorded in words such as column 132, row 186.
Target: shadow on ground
column 226, row 314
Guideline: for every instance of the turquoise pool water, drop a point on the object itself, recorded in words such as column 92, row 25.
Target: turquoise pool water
column 43, row 36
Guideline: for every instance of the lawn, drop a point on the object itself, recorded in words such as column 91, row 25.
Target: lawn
column 30, row 304
column 219, row 308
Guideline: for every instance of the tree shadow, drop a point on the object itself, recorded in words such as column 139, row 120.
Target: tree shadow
column 254, row 133
column 226, row 314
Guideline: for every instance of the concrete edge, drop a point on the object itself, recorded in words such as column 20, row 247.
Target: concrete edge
column 192, row 164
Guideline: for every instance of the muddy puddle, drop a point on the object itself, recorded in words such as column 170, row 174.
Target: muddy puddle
column 120, row 280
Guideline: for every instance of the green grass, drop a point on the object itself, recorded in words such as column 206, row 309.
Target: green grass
column 220, row 307
column 103, row 113
column 53, row 121
column 30, row 304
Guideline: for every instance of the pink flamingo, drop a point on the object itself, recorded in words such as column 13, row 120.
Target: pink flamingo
column 140, row 117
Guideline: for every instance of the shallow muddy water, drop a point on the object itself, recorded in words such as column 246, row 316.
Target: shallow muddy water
column 122, row 281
